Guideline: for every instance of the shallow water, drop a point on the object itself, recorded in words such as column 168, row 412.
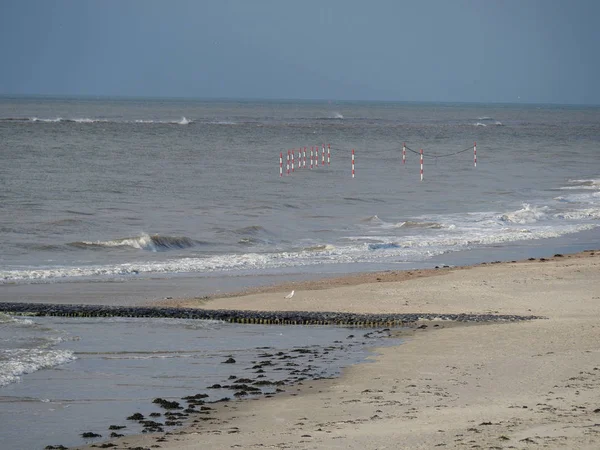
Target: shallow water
column 112, row 368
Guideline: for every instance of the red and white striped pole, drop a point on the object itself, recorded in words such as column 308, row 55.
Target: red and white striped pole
column 288, row 163
column 304, row 159
column 281, row 164
column 404, row 153
column 475, row 154
column 421, row 164
column 293, row 151
column 323, row 157
column 352, row 163
column 316, row 156
column 328, row 154
column 311, row 156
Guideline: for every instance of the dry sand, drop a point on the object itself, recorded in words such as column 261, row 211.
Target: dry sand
column 533, row 384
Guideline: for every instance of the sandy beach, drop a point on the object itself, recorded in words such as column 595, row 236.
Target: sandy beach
column 451, row 385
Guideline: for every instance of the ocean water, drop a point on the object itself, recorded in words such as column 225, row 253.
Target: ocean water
column 123, row 189
column 119, row 201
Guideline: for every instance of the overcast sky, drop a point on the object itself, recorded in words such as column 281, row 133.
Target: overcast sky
column 533, row 51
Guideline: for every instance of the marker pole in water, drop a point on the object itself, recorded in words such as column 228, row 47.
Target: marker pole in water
column 328, row 154
column 474, row 154
column 311, row 156
column 404, row 153
column 288, row 163
column 304, row 159
column 317, row 156
column 323, row 158
column 352, row 163
column 281, row 164
column 293, row 151
column 421, row 164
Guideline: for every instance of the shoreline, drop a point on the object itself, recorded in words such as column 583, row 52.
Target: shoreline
column 133, row 291
column 455, row 385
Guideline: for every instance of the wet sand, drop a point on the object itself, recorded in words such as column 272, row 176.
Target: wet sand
column 501, row 385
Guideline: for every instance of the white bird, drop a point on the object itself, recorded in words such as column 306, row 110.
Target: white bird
column 290, row 295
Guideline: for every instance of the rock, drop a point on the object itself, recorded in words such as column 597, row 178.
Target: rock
column 89, row 435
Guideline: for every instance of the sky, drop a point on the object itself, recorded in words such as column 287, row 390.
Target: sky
column 511, row 51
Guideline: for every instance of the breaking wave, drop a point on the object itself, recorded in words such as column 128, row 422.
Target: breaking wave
column 152, row 243
column 582, row 184
column 412, row 248
column 20, row 361
column 5, row 318
column 89, row 120
column 527, row 214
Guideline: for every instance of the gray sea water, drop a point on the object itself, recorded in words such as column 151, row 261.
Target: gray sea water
column 111, row 198
column 126, row 189
column 61, row 377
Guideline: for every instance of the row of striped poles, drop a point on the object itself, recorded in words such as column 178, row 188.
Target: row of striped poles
column 421, row 158
column 314, row 158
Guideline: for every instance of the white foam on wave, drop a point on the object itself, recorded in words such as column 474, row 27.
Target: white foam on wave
column 376, row 222
column 589, row 184
column 62, row 119
column 88, row 120
column 182, row 121
column 373, row 220
column 222, row 122
column 580, row 214
column 6, row 318
column 143, row 242
column 17, row 362
column 146, row 357
column 320, row 248
column 527, row 214
column 153, row 243
column 404, row 248
column 489, row 121
column 591, row 181
column 37, row 119
column 434, row 245
column 588, row 197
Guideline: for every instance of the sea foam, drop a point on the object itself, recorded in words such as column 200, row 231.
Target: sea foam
column 18, row 362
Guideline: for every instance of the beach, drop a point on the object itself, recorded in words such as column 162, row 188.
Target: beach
column 115, row 205
column 450, row 384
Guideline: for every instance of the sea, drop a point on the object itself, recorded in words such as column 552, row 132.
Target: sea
column 129, row 201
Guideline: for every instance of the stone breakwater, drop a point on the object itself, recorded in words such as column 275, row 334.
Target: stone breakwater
column 250, row 317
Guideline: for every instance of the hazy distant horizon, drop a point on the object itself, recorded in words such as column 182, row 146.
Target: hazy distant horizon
column 280, row 100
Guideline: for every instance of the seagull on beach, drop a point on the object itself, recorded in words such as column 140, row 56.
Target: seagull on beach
column 290, row 295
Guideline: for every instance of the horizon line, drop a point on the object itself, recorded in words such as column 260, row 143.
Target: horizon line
column 280, row 99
